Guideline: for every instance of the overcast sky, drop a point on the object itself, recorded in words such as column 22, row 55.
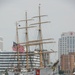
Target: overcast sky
column 61, row 13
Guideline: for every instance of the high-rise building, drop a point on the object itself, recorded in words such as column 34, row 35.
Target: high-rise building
column 1, row 44
column 66, row 45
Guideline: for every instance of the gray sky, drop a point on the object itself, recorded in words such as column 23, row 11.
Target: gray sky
column 61, row 13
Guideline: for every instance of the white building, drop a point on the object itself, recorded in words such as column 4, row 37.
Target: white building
column 45, row 57
column 66, row 43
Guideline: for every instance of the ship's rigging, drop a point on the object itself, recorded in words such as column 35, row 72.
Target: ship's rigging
column 28, row 43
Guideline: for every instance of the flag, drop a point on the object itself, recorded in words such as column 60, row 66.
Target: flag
column 14, row 46
column 17, row 47
column 20, row 48
column 37, row 71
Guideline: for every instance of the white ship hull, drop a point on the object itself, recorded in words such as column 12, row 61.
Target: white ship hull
column 44, row 71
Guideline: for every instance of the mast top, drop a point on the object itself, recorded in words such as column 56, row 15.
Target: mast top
column 39, row 4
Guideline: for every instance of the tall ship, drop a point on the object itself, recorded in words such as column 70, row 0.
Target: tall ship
column 37, row 61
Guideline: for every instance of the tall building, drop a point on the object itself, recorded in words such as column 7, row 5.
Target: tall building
column 66, row 45
column 1, row 44
column 68, row 63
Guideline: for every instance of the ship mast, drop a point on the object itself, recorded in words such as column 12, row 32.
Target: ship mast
column 26, row 35
column 18, row 65
column 26, row 41
column 40, row 36
column 34, row 42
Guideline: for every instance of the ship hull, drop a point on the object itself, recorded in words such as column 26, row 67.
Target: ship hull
column 44, row 71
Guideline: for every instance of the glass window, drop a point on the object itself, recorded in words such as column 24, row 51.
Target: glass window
column 70, row 40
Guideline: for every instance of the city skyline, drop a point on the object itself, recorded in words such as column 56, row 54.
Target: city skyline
column 60, row 13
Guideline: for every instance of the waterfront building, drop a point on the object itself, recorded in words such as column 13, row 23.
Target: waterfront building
column 9, row 60
column 46, row 57
column 68, row 63
column 66, row 45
